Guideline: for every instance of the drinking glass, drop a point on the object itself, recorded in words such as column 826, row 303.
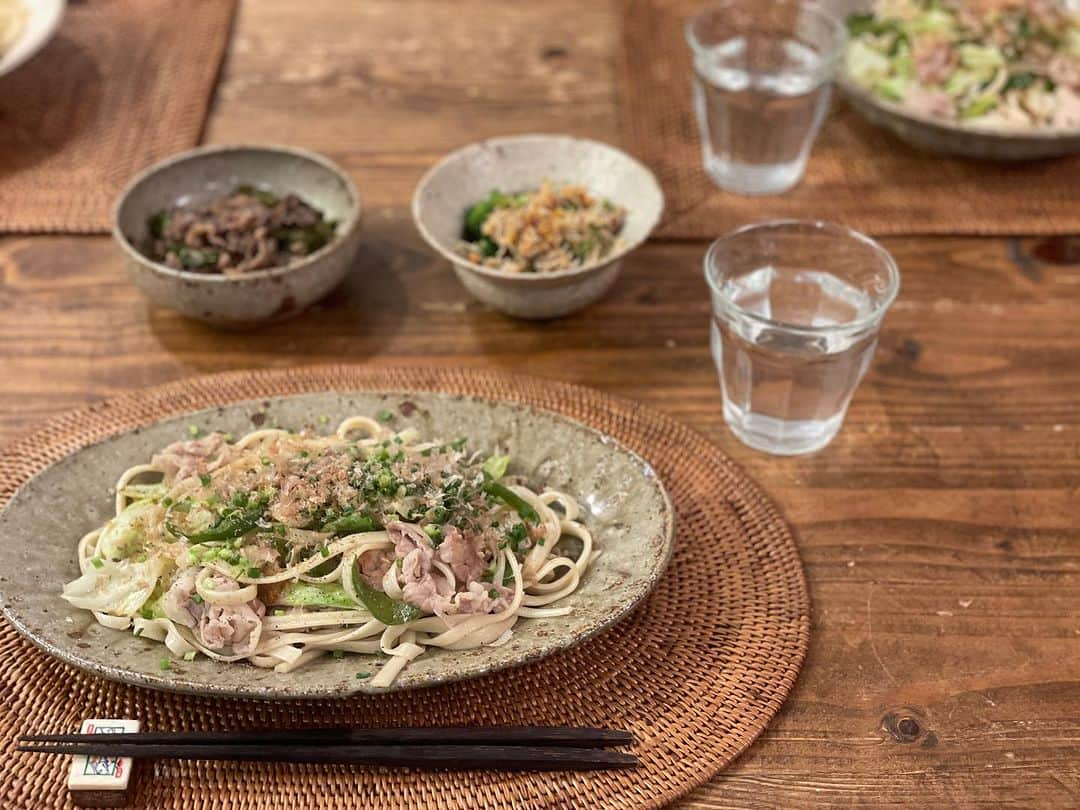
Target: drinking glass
column 762, row 72
column 796, row 311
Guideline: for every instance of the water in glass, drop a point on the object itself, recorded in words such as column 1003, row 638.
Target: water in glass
column 760, row 102
column 786, row 390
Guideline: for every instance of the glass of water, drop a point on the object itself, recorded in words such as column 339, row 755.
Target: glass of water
column 796, row 311
column 762, row 73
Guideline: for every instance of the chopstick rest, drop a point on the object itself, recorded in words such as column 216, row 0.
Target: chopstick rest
column 101, row 781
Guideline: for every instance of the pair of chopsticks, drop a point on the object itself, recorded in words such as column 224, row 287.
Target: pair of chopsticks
column 538, row 748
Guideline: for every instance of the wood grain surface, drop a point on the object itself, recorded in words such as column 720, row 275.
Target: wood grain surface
column 940, row 531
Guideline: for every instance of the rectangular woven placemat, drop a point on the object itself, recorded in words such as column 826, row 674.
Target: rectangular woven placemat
column 858, row 175
column 123, row 84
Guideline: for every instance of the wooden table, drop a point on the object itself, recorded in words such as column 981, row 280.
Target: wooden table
column 940, row 531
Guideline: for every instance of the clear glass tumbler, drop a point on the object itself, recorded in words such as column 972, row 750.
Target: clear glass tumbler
column 762, row 73
column 796, row 311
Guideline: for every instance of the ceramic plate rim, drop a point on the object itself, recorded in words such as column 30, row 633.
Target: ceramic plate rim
column 140, row 678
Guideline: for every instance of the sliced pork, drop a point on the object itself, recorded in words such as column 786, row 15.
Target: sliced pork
column 186, row 459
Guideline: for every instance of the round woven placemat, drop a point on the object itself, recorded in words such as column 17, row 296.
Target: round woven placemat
column 695, row 673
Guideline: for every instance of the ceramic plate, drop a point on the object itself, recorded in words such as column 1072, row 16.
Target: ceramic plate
column 625, row 506
column 947, row 137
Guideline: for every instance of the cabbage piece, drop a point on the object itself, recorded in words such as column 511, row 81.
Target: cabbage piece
column 894, row 88
column 980, row 106
column 1071, row 42
column 934, row 20
column 138, row 492
column 983, row 58
column 124, row 534
column 116, row 588
column 865, row 65
column 903, row 64
column 962, row 82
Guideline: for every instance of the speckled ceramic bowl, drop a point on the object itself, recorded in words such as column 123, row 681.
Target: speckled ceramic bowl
column 262, row 295
column 624, row 505
column 517, row 163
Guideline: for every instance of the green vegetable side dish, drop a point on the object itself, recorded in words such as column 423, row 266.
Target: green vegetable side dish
column 1010, row 65
column 549, row 229
column 249, row 229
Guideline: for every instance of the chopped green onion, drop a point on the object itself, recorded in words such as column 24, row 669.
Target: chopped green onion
column 254, row 573
column 337, row 654
column 384, row 415
column 205, row 479
column 198, row 600
column 193, row 430
column 494, row 594
column 165, row 663
column 362, row 675
column 190, row 655
column 97, row 562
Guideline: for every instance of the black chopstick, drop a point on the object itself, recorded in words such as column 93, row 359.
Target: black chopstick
column 537, row 736
column 458, row 757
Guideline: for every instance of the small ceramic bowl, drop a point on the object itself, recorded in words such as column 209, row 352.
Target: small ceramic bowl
column 259, row 296
column 518, row 163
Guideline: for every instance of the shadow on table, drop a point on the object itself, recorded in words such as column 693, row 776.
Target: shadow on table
column 354, row 322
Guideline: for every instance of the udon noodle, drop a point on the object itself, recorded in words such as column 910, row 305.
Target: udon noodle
column 279, row 548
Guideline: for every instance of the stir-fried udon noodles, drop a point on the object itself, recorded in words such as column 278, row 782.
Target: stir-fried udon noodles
column 282, row 547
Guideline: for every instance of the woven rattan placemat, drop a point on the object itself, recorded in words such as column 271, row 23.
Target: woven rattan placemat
column 858, row 175
column 696, row 672
column 124, row 83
